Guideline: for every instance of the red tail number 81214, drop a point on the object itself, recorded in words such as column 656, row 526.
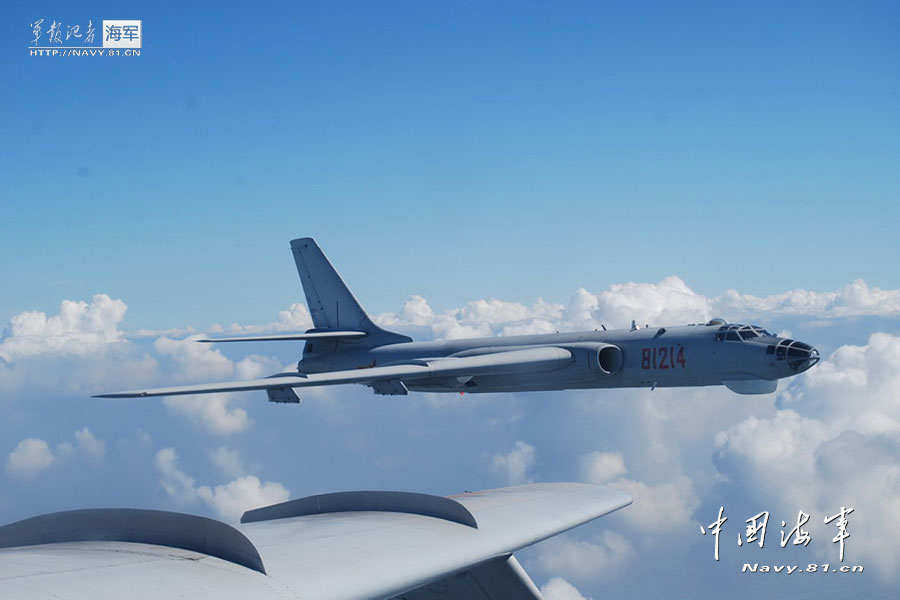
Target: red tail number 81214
column 662, row 357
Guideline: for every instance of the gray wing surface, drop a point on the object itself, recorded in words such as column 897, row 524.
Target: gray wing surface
column 514, row 361
column 309, row 335
column 378, row 551
column 395, row 553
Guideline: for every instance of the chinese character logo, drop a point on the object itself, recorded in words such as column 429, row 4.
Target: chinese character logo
column 755, row 531
column 121, row 34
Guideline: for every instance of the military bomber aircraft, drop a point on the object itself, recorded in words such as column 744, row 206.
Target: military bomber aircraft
column 345, row 346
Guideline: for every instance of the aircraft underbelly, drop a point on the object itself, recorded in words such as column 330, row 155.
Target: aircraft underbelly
column 567, row 379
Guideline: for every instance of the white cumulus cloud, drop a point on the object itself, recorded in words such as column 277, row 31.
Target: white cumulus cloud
column 836, row 443
column 670, row 301
column 213, row 412
column 601, row 467
column 178, row 484
column 256, row 366
column 560, row 589
column 80, row 328
column 294, row 318
column 416, row 311
column 660, row 507
column 229, row 501
column 665, row 506
column 90, row 447
column 228, row 461
column 854, row 299
column 30, row 457
column 584, row 560
column 233, row 498
column 775, row 450
column 515, row 466
column 194, row 361
column 33, row 455
column 198, row 362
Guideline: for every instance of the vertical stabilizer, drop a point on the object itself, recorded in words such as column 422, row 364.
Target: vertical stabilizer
column 331, row 304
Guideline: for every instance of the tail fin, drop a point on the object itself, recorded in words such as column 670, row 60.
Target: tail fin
column 331, row 304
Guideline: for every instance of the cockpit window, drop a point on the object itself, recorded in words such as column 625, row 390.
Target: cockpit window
column 737, row 332
column 748, row 332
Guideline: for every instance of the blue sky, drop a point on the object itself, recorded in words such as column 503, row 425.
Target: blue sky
column 447, row 144
column 462, row 153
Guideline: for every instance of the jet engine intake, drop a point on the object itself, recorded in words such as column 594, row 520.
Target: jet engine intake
column 602, row 359
column 609, row 358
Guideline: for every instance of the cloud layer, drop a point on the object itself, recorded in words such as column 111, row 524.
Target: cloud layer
column 229, row 501
column 670, row 301
column 79, row 328
column 31, row 456
column 838, row 444
column 830, row 437
column 514, row 467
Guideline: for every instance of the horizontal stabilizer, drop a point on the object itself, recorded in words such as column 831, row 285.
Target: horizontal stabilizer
column 530, row 360
column 309, row 335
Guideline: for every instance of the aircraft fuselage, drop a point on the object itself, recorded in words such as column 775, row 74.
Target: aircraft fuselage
column 345, row 346
column 646, row 357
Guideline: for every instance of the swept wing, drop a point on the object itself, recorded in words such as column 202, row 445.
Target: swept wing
column 497, row 363
column 346, row 545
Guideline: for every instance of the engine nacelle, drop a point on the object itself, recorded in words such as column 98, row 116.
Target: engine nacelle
column 601, row 359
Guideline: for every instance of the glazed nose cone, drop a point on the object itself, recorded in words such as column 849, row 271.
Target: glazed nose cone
column 802, row 357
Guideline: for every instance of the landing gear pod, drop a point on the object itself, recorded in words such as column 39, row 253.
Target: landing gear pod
column 283, row 395
column 752, row 386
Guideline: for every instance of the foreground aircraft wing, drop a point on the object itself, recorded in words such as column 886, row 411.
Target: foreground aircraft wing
column 498, row 363
column 345, row 545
